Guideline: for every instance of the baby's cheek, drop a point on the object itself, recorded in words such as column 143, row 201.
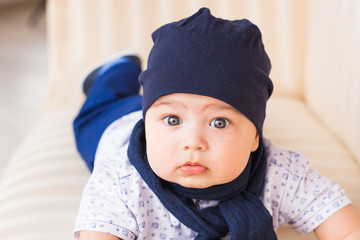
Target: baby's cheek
column 228, row 171
column 159, row 167
column 230, row 175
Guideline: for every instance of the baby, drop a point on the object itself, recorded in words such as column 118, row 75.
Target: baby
column 188, row 159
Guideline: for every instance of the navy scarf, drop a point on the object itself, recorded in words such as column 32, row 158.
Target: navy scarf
column 240, row 211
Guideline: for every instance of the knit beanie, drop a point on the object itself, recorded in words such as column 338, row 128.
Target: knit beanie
column 212, row 57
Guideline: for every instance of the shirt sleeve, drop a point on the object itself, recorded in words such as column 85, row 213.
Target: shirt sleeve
column 297, row 195
column 102, row 209
column 315, row 199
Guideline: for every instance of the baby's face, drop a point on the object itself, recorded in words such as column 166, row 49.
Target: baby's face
column 197, row 141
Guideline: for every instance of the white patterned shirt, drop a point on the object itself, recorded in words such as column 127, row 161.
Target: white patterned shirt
column 117, row 200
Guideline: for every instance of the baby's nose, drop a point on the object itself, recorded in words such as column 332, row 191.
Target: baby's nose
column 195, row 140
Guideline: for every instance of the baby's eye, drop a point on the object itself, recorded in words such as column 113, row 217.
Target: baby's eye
column 219, row 123
column 172, row 120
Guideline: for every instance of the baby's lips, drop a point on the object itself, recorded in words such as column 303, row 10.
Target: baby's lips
column 192, row 168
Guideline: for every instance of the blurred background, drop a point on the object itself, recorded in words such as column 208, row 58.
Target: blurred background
column 23, row 70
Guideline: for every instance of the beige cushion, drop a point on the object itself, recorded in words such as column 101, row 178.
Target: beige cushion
column 41, row 186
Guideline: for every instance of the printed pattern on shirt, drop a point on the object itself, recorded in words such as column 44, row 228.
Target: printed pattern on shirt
column 116, row 200
column 296, row 194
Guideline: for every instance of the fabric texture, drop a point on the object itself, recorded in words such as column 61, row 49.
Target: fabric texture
column 210, row 56
column 117, row 200
column 240, row 210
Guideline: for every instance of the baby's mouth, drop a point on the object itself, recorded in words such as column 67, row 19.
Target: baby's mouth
column 192, row 168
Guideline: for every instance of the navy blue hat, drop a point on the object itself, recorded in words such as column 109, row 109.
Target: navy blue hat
column 213, row 57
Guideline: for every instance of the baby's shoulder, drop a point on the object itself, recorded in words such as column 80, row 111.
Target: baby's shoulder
column 285, row 173
column 115, row 139
column 111, row 155
column 118, row 132
column 283, row 163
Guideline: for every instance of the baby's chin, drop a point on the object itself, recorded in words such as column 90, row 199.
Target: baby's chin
column 197, row 181
column 196, row 184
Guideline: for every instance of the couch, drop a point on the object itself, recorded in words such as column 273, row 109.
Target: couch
column 315, row 109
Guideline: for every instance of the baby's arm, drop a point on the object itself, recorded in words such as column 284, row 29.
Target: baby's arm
column 344, row 224
column 92, row 235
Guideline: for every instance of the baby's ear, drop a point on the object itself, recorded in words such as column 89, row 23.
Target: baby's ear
column 256, row 143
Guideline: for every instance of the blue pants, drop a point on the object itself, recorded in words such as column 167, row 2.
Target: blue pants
column 114, row 93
